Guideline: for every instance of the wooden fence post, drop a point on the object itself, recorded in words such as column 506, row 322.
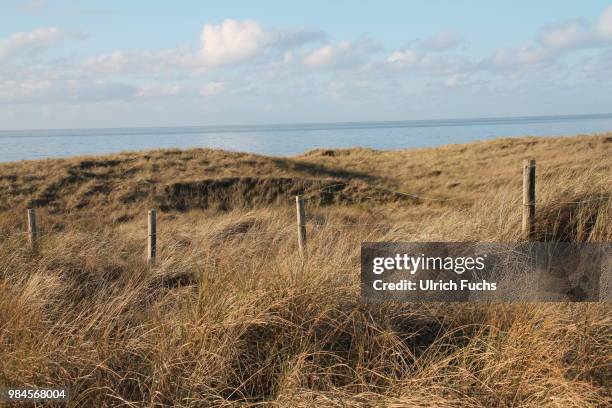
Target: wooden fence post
column 529, row 198
column 152, row 241
column 32, row 228
column 301, row 225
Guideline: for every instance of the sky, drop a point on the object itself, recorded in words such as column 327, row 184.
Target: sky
column 77, row 64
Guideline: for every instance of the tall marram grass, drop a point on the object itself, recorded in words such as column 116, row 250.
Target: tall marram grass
column 230, row 315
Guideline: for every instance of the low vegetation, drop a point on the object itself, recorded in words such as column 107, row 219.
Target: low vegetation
column 230, row 315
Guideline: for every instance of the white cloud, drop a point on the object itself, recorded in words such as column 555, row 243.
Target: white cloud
column 29, row 43
column 524, row 55
column 442, row 41
column 452, row 80
column 427, row 54
column 43, row 91
column 604, row 25
column 234, row 41
column 112, row 62
column 320, row 57
column 149, row 62
column 567, row 34
column 405, row 58
column 578, row 33
column 555, row 40
column 345, row 54
column 427, row 63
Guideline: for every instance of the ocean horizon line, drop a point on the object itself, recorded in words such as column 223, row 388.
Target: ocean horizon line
column 304, row 126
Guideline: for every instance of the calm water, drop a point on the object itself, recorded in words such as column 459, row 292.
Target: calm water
column 281, row 140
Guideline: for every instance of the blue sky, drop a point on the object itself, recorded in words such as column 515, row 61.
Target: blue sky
column 70, row 64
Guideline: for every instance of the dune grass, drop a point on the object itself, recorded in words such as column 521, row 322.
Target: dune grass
column 230, row 315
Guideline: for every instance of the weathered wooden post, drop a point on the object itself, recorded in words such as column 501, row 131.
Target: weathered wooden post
column 301, row 225
column 32, row 228
column 529, row 199
column 152, row 241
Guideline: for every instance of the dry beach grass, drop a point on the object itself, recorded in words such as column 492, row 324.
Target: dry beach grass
column 230, row 315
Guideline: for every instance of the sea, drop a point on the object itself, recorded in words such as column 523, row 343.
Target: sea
column 290, row 139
